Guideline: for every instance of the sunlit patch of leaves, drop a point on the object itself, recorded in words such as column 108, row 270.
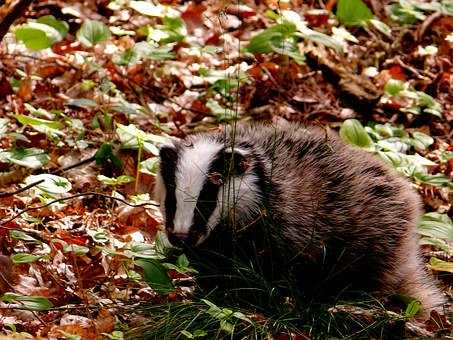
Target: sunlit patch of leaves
column 410, row 11
column 410, row 100
column 392, row 144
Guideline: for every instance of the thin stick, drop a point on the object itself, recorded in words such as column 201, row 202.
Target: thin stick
column 31, row 185
column 72, row 166
column 12, row 193
column 66, row 199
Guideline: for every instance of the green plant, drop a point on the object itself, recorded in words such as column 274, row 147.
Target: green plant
column 392, row 144
column 41, row 33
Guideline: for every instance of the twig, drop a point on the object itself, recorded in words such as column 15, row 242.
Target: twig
column 72, row 166
column 426, row 24
column 6, row 281
column 409, row 68
column 12, row 193
column 17, row 11
column 69, row 198
column 58, row 171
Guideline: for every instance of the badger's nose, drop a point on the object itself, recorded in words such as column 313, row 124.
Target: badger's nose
column 178, row 239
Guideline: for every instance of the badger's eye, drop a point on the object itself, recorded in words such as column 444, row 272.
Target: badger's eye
column 215, row 178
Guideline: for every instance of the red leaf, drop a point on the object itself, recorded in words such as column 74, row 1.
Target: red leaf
column 397, row 72
column 5, row 87
column 25, row 90
column 80, row 240
column 213, row 39
column 193, row 16
column 316, row 19
column 241, row 11
column 67, row 46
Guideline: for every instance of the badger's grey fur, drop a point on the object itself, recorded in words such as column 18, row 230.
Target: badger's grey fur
column 323, row 202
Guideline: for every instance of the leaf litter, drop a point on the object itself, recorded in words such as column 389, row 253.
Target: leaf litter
column 75, row 78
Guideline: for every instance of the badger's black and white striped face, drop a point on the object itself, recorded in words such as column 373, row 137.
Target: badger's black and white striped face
column 201, row 182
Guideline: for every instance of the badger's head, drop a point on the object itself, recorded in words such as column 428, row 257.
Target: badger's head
column 203, row 182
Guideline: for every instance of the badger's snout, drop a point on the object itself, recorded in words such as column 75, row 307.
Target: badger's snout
column 178, row 239
column 190, row 239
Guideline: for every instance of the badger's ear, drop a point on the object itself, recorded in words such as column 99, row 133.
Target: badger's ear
column 236, row 161
column 168, row 153
column 168, row 157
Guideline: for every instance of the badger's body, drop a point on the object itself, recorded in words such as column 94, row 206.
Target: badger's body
column 333, row 213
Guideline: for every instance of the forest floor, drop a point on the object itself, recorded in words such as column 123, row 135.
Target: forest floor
column 90, row 89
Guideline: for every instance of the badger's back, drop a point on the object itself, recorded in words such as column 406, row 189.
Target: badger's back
column 342, row 210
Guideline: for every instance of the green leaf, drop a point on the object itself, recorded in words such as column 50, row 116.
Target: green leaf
column 323, row 39
column 33, row 158
column 145, row 50
column 381, row 27
column 36, row 303
column 271, row 38
column 50, row 128
column 429, row 104
column 436, row 225
column 222, row 114
column 143, row 251
column 82, row 102
column 40, row 112
column 140, row 198
column 437, row 180
column 105, row 154
column 353, row 12
column 114, row 181
column 182, row 261
column 51, row 183
column 440, row 265
column 150, row 166
column 182, row 265
column 61, row 26
column 421, row 140
column 156, row 276
column 437, row 243
column 172, row 30
column 226, row 326
column 92, row 32
column 76, row 249
column 33, row 121
column 98, row 236
column 354, row 133
column 4, row 124
column 412, row 309
column 37, row 36
column 199, row 333
column 393, row 87
column 20, row 235
column 445, row 156
column 132, row 137
column 115, row 335
column 24, row 258
column 406, row 13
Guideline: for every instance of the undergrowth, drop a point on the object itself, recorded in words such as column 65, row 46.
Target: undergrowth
column 243, row 304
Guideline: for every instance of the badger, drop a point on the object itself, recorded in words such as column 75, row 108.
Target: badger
column 299, row 198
